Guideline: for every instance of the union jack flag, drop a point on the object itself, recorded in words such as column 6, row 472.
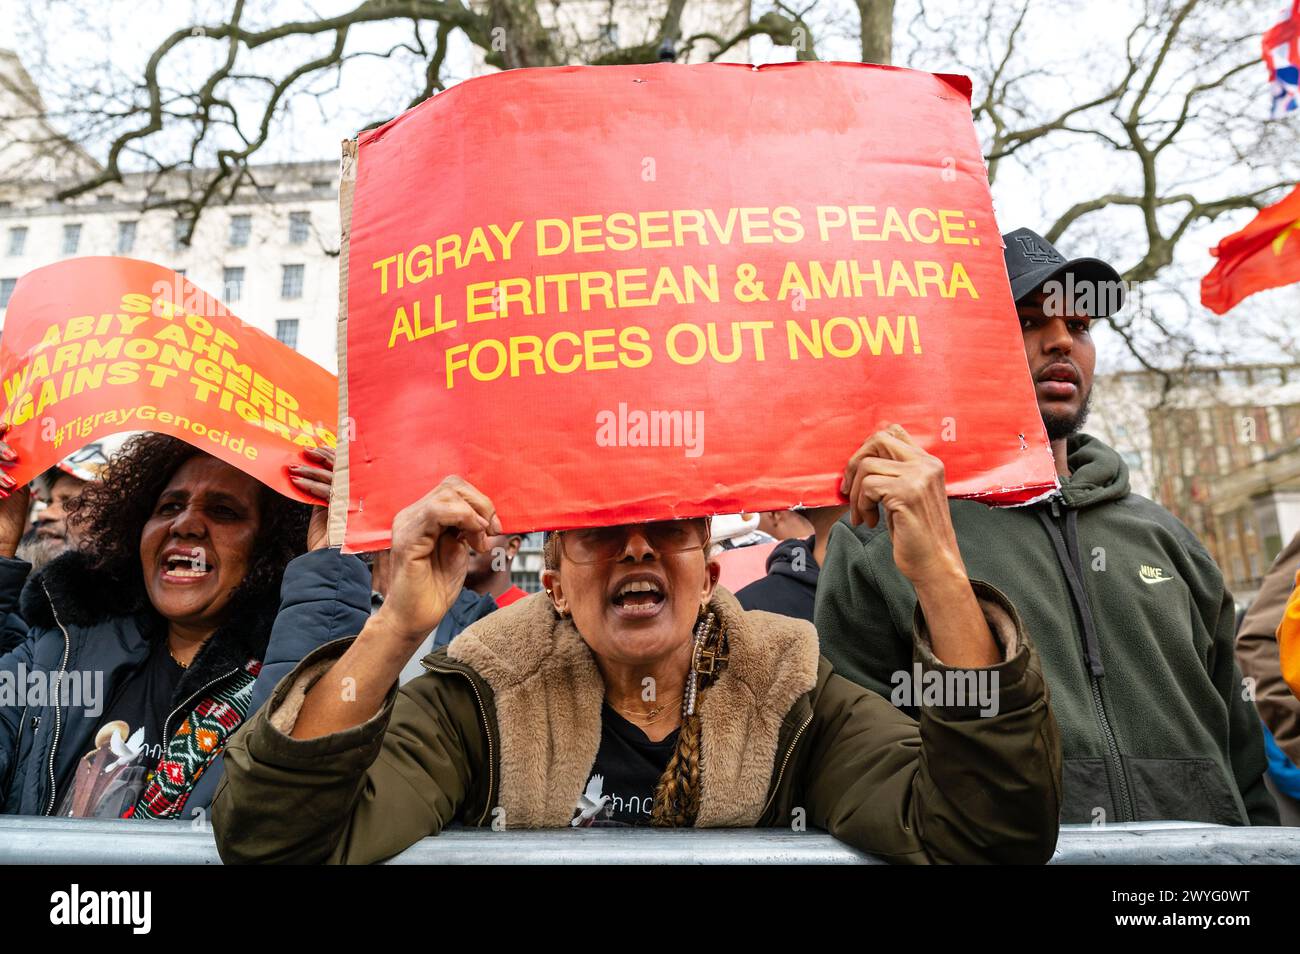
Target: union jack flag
column 1282, row 58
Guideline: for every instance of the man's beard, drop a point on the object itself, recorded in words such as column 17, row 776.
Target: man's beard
column 1061, row 426
column 40, row 551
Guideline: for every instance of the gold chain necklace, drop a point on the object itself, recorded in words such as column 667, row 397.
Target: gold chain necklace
column 175, row 658
column 647, row 718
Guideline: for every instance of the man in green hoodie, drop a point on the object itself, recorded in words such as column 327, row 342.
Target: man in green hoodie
column 1128, row 610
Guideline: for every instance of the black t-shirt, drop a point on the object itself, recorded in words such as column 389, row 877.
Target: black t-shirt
column 629, row 766
column 128, row 740
column 144, row 700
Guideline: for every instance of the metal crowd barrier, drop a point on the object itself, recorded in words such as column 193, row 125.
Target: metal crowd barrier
column 27, row 840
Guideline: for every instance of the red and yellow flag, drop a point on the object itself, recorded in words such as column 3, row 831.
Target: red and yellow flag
column 1265, row 254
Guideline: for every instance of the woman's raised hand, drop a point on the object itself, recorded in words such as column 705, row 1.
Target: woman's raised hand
column 316, row 479
column 891, row 471
column 429, row 555
column 15, row 501
column 427, row 563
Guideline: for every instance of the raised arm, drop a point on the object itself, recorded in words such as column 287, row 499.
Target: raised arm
column 975, row 781
column 429, row 560
column 340, row 766
column 984, row 782
column 890, row 472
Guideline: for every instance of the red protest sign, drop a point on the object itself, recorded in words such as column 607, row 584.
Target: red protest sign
column 623, row 293
column 98, row 346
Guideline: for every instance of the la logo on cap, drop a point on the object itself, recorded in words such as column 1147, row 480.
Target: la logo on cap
column 1036, row 253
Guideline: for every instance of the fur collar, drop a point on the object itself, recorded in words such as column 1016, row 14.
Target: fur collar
column 82, row 594
column 548, row 695
column 86, row 597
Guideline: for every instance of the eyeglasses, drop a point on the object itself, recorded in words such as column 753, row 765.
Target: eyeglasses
column 605, row 544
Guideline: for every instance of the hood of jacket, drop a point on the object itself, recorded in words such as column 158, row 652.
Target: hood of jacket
column 1097, row 473
column 548, row 694
column 73, row 592
column 794, row 558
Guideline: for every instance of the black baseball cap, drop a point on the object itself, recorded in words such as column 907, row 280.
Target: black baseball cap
column 1032, row 261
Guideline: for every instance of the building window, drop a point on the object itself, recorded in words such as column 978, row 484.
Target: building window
column 266, row 190
column 241, row 226
column 232, row 280
column 6, row 289
column 17, row 240
column 180, row 228
column 1274, row 416
column 322, row 185
column 291, row 282
column 125, row 237
column 286, row 331
column 71, row 238
column 299, row 227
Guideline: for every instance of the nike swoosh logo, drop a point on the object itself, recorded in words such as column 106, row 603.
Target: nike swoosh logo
column 1160, row 579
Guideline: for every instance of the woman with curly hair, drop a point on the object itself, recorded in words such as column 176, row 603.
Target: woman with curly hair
column 637, row 691
column 145, row 645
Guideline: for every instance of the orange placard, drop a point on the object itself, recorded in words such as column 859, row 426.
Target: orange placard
column 98, row 346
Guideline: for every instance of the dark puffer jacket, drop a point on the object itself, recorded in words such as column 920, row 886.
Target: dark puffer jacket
column 83, row 626
column 13, row 628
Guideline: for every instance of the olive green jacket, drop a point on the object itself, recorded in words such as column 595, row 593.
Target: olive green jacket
column 504, row 729
column 1132, row 622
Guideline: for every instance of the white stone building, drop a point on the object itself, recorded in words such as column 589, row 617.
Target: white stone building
column 1220, row 448
column 270, row 253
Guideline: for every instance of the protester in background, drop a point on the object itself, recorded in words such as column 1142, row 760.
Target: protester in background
column 154, row 632
column 785, row 524
column 1130, row 612
column 790, row 587
column 1283, row 769
column 537, row 716
column 379, row 562
column 488, row 573
column 47, row 535
column 50, row 534
column 1257, row 654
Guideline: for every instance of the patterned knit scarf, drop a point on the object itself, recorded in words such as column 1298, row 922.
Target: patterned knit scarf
column 199, row 740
